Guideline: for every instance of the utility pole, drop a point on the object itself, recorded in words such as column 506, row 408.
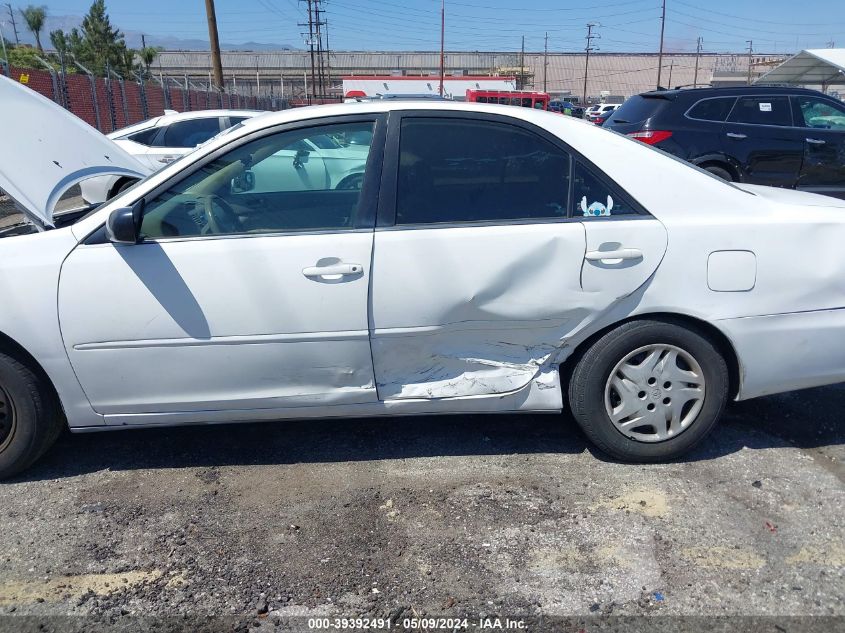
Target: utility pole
column 216, row 62
column 660, row 54
column 545, row 60
column 14, row 24
column 671, row 68
column 750, row 51
column 310, row 26
column 318, row 33
column 522, row 66
column 442, row 43
column 590, row 37
column 698, row 44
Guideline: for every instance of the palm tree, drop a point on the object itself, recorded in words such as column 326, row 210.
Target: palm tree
column 35, row 16
column 148, row 55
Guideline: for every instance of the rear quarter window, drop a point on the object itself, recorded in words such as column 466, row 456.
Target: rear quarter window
column 638, row 109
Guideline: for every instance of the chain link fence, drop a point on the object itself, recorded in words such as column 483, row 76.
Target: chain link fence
column 114, row 102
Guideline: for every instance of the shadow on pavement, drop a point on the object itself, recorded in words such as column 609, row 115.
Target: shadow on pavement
column 807, row 419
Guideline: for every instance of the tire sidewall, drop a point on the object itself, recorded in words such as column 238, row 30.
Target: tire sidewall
column 26, row 411
column 619, row 343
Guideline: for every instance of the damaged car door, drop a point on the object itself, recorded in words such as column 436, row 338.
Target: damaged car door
column 495, row 244
column 233, row 297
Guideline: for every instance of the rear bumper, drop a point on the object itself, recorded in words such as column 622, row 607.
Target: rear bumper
column 784, row 352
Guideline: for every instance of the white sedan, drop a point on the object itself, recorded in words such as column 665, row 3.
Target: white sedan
column 159, row 141
column 489, row 259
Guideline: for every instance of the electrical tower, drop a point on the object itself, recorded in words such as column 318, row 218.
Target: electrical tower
column 590, row 37
column 750, row 53
column 698, row 45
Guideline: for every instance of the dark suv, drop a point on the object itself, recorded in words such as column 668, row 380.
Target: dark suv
column 784, row 137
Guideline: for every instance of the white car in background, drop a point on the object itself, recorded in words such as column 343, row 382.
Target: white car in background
column 492, row 259
column 161, row 140
column 600, row 110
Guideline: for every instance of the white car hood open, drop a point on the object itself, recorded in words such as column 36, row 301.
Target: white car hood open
column 46, row 150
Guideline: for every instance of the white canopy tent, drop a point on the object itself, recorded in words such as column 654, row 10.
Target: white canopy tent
column 812, row 67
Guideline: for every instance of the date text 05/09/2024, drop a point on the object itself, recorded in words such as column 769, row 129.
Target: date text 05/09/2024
column 416, row 623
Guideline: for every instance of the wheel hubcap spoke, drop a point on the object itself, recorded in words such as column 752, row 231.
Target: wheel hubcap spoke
column 655, row 392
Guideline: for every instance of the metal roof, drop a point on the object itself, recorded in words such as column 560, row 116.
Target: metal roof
column 811, row 67
column 614, row 73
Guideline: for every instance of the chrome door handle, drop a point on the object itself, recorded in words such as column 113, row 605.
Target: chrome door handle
column 815, row 141
column 620, row 253
column 333, row 269
column 167, row 159
column 737, row 135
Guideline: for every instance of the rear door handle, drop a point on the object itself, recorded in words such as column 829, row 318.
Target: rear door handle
column 333, row 270
column 737, row 135
column 620, row 253
column 166, row 159
column 815, row 141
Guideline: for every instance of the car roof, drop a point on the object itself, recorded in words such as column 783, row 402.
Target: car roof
column 377, row 106
column 729, row 91
column 202, row 114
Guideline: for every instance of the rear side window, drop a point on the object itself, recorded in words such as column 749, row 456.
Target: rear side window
column 190, row 133
column 460, row 170
column 637, row 109
column 762, row 111
column 712, row 109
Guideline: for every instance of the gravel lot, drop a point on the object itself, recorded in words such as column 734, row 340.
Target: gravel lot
column 445, row 517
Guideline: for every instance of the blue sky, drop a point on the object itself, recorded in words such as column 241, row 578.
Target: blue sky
column 626, row 25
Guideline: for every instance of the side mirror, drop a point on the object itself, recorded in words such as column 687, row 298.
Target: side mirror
column 243, row 182
column 124, row 224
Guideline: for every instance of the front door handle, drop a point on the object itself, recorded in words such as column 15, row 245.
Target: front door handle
column 620, row 253
column 815, row 141
column 338, row 270
column 737, row 135
column 166, row 159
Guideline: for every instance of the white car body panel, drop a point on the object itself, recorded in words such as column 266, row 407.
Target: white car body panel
column 51, row 152
column 492, row 307
column 171, row 350
column 235, row 323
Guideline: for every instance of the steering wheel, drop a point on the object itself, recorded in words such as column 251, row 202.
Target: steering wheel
column 220, row 215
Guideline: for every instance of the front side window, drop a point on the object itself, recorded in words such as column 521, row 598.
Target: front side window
column 190, row 133
column 712, row 109
column 762, row 111
column 282, row 182
column 461, row 170
column 595, row 198
column 821, row 114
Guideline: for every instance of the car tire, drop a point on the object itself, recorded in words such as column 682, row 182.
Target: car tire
column 30, row 421
column 721, row 172
column 609, row 383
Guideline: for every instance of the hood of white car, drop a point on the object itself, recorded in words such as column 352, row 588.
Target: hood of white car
column 46, row 150
column 792, row 197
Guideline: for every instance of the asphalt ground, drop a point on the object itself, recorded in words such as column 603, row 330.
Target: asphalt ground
column 263, row 526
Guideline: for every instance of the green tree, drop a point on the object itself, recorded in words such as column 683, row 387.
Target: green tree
column 35, row 16
column 98, row 45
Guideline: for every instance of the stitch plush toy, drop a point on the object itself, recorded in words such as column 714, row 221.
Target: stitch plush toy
column 596, row 209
